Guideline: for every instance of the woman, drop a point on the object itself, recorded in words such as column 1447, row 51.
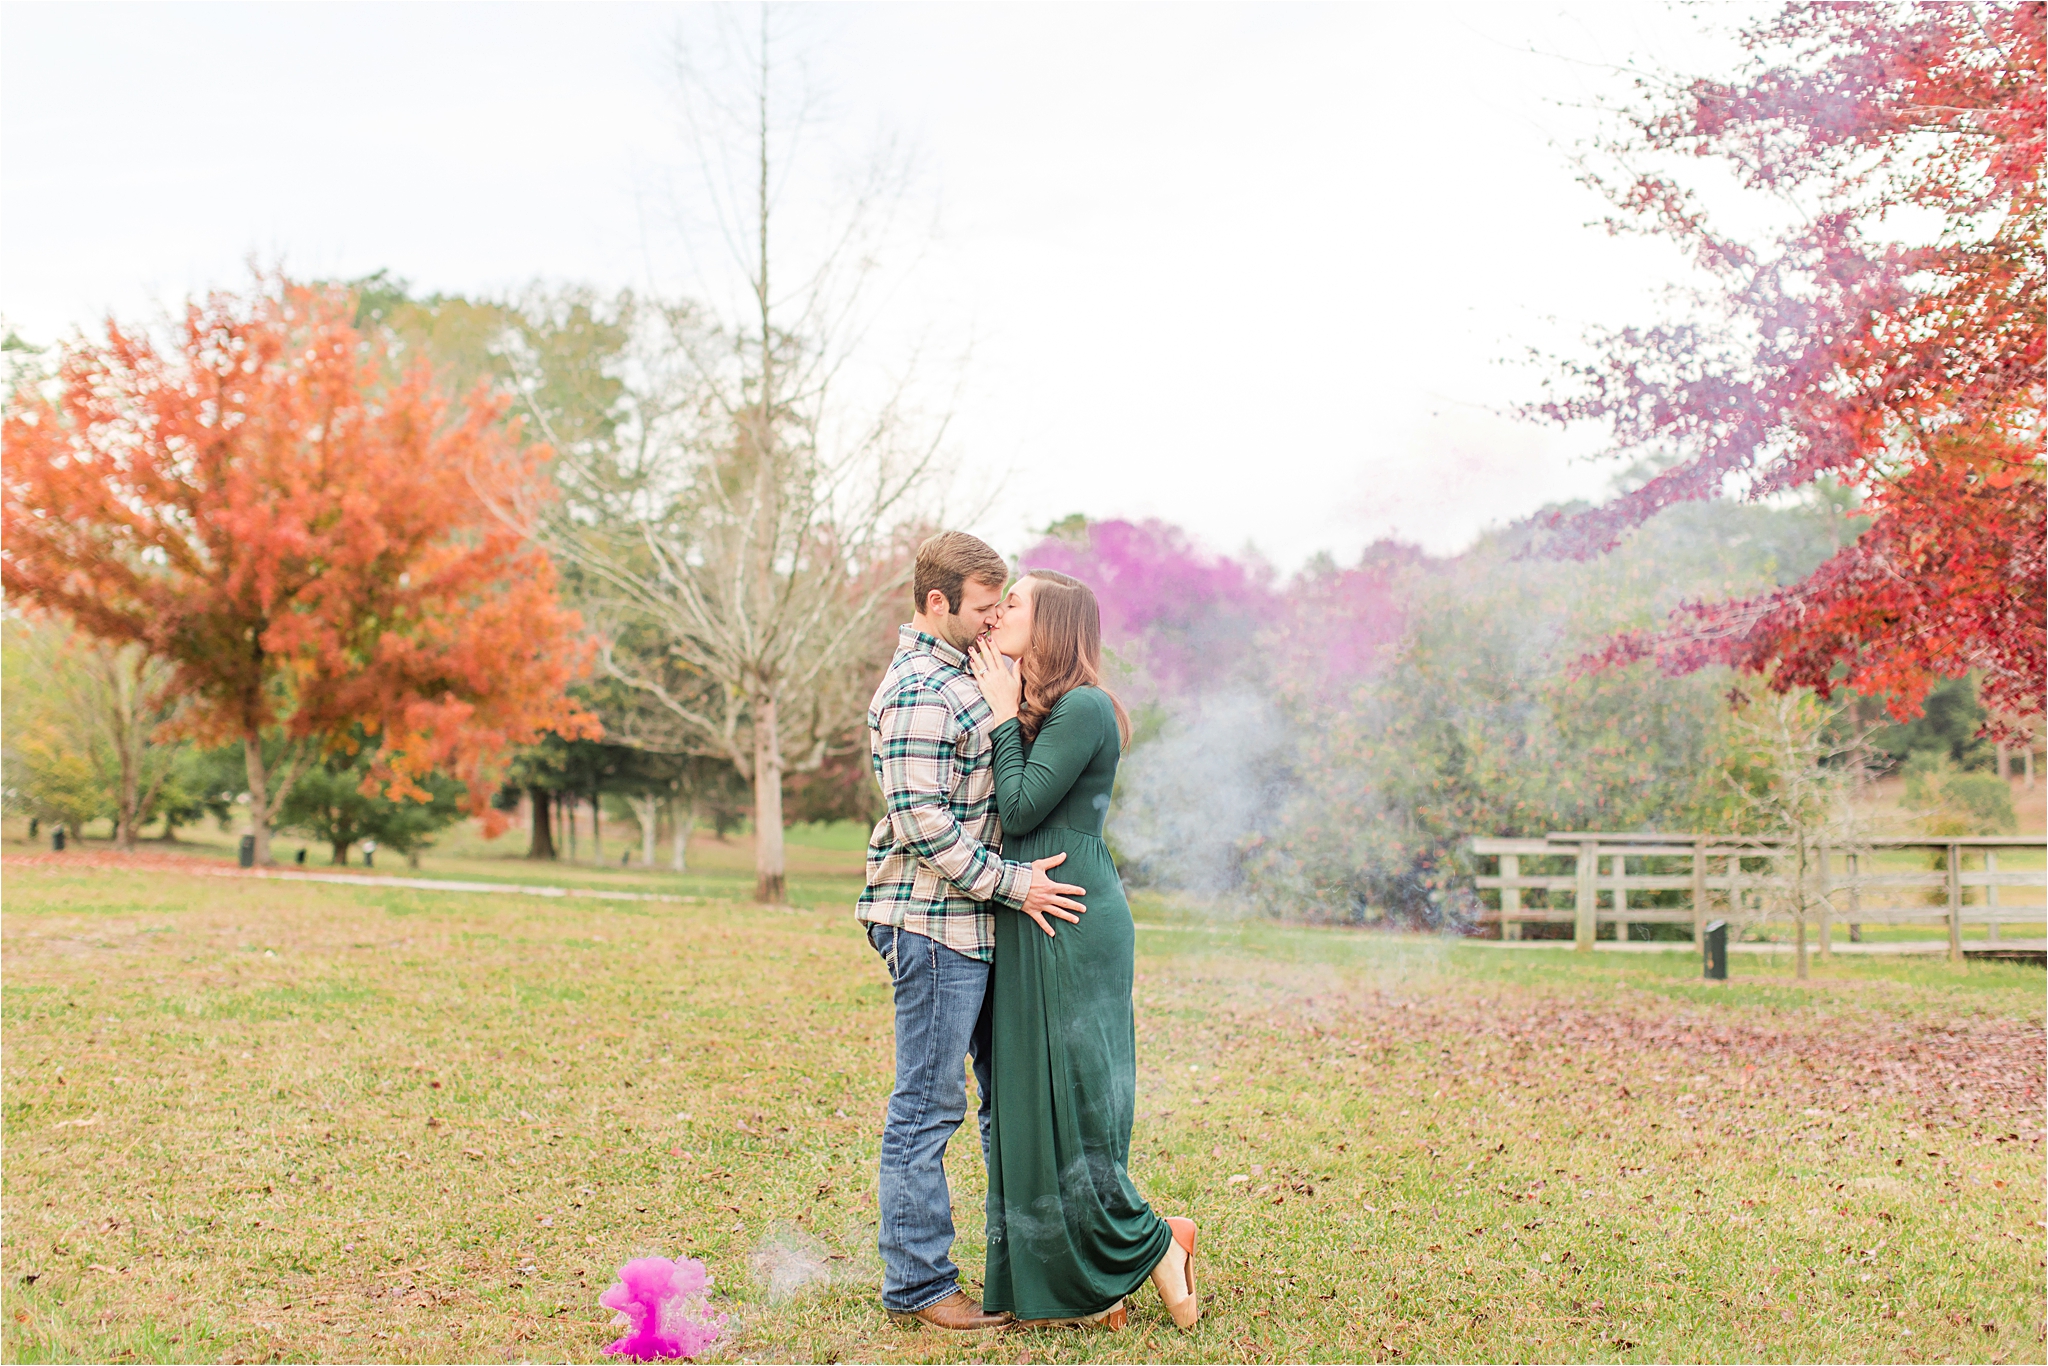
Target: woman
column 1068, row 1234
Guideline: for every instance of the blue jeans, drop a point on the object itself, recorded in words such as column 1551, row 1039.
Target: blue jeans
column 941, row 1019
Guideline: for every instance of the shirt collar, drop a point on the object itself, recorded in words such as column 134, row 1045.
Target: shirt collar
column 910, row 638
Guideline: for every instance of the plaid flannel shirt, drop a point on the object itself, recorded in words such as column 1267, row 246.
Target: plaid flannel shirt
column 933, row 860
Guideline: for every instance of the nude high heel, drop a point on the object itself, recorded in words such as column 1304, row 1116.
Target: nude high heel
column 1115, row 1318
column 1174, row 1277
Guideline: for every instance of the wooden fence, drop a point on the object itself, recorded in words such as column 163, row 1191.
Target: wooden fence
column 1605, row 878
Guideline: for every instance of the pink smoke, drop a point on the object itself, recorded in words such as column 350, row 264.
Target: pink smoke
column 662, row 1303
column 1182, row 618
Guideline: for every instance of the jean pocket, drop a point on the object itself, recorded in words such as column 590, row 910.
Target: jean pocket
column 888, row 942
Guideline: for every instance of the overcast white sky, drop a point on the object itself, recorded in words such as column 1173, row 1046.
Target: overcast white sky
column 1265, row 271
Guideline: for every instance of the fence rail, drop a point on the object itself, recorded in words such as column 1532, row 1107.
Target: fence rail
column 1753, row 880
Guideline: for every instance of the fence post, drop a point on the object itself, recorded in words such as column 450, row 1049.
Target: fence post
column 1699, row 892
column 1587, row 921
column 1621, row 898
column 1955, row 903
column 1510, row 896
column 1991, row 896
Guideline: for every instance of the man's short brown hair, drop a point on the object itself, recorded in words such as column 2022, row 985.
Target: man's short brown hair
column 947, row 561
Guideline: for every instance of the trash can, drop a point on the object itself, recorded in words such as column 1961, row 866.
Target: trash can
column 247, row 857
column 57, row 839
column 1715, row 947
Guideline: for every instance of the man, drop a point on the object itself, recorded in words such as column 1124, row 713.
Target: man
column 934, row 877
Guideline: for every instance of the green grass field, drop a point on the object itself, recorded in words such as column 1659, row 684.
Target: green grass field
column 256, row 1120
column 823, row 860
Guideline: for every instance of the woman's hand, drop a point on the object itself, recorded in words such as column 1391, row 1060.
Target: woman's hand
column 1002, row 688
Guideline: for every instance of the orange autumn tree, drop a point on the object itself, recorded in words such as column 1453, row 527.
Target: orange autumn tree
column 305, row 539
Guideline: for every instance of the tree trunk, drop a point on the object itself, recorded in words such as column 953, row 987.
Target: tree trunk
column 148, row 800
column 770, row 884
column 647, row 808
column 130, row 815
column 683, row 819
column 268, row 788
column 124, row 732
column 596, row 830
column 340, row 856
column 259, row 797
column 1799, row 905
column 569, row 821
column 542, row 843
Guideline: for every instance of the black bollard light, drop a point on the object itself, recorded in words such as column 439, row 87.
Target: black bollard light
column 246, row 856
column 1715, row 947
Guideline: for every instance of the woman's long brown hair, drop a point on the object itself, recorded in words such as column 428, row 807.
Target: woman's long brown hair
column 1065, row 651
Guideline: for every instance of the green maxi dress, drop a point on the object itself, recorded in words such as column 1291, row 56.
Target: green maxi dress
column 1068, row 1234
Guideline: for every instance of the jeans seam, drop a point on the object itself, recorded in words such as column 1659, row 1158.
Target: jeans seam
column 933, row 1011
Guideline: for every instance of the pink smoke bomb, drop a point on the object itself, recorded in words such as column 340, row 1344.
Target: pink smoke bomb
column 662, row 1305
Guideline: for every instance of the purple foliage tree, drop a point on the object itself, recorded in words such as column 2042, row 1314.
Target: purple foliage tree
column 1175, row 616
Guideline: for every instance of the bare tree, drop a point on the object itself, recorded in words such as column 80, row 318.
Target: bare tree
column 743, row 541
column 1795, row 782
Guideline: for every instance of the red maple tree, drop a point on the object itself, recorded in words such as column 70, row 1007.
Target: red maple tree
column 1908, row 370
column 301, row 535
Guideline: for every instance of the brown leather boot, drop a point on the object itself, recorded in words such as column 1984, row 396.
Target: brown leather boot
column 955, row 1314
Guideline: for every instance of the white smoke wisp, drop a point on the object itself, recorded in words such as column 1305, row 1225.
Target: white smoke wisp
column 1191, row 798
column 789, row 1264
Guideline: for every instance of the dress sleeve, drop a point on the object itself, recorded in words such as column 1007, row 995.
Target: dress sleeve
column 919, row 738
column 1028, row 789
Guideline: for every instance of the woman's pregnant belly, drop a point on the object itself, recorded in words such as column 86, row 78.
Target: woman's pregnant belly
column 1088, row 864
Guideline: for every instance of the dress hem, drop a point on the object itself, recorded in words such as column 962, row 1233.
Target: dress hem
column 994, row 1305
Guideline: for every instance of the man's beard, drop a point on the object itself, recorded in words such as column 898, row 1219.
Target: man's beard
column 956, row 633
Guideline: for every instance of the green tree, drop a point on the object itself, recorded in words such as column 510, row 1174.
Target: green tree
column 330, row 804
column 1950, row 724
column 85, row 722
column 203, row 781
